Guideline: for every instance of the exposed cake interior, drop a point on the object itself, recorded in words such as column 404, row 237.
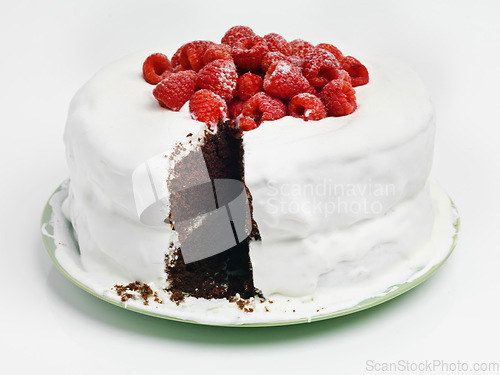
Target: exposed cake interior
column 226, row 274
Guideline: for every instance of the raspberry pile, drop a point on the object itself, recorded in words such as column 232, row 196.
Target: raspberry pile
column 248, row 79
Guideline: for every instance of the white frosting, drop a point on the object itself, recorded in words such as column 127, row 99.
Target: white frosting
column 299, row 266
column 379, row 157
column 335, row 300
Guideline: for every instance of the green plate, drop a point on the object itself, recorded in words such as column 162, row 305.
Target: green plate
column 54, row 223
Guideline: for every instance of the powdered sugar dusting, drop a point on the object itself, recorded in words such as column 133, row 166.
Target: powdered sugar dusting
column 227, row 84
column 283, row 68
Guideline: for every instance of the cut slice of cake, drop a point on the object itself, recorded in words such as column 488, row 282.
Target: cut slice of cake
column 221, row 268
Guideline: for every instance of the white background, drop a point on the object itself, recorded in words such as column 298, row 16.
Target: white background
column 48, row 325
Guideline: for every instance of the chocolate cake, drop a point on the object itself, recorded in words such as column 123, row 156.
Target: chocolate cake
column 229, row 273
column 300, row 126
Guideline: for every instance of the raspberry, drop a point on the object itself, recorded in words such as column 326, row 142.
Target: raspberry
column 178, row 68
column 263, row 107
column 249, row 84
column 235, row 107
column 285, row 80
column 176, row 89
column 195, row 52
column 247, row 123
column 176, row 59
column 307, row 107
column 276, row 43
column 300, row 47
column 190, row 55
column 332, row 49
column 217, row 52
column 156, row 67
column 320, row 67
column 248, row 52
column 219, row 76
column 339, row 98
column 342, row 74
column 271, row 57
column 297, row 61
column 207, row 107
column 236, row 33
column 357, row 71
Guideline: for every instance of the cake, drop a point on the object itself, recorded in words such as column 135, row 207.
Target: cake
column 223, row 150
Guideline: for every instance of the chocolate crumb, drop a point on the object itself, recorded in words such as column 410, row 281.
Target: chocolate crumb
column 123, row 291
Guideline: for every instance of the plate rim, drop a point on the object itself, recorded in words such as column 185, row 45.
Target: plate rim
column 49, row 240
